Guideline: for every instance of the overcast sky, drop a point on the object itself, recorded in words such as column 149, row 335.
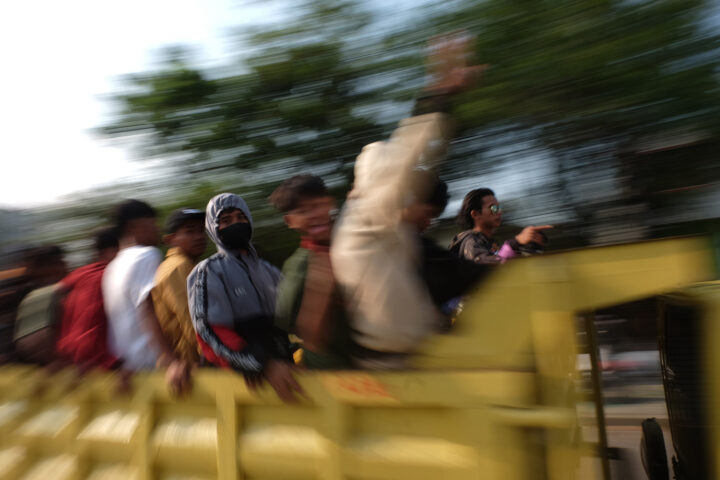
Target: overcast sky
column 60, row 58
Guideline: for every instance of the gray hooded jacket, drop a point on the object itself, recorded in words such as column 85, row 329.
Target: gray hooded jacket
column 232, row 290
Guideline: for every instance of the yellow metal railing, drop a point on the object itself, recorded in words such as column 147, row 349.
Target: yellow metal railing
column 386, row 425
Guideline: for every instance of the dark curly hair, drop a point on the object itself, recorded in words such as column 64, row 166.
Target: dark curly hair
column 287, row 196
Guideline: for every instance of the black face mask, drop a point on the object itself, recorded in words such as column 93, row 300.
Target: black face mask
column 236, row 236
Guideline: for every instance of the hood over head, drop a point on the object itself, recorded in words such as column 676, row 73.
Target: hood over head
column 216, row 205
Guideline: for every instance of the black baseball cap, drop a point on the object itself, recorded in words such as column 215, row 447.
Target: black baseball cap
column 178, row 217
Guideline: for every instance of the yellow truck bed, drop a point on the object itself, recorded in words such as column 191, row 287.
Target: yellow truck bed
column 494, row 399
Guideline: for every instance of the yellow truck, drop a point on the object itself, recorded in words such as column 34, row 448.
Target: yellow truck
column 494, row 399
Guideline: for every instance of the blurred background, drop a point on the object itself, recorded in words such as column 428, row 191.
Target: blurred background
column 600, row 117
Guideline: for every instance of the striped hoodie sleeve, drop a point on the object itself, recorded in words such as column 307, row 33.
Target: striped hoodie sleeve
column 211, row 315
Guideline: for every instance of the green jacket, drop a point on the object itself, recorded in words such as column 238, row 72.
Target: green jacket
column 289, row 298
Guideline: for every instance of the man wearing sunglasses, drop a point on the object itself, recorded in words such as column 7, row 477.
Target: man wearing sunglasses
column 481, row 215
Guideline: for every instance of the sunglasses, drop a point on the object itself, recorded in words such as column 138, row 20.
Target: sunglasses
column 495, row 209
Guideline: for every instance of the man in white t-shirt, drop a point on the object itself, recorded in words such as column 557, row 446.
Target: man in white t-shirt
column 134, row 334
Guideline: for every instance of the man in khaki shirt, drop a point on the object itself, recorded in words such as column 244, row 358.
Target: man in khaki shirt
column 187, row 239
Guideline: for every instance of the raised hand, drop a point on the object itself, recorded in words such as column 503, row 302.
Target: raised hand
column 447, row 62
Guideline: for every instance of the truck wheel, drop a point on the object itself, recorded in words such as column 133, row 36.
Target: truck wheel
column 652, row 451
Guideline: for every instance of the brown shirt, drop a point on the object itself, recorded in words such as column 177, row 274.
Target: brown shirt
column 170, row 299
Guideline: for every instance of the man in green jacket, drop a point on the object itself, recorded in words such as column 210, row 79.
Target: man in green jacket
column 308, row 301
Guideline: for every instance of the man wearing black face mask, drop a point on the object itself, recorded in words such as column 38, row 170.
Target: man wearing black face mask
column 234, row 229
column 232, row 301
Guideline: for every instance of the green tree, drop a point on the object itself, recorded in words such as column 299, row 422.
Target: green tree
column 580, row 81
column 591, row 79
column 298, row 103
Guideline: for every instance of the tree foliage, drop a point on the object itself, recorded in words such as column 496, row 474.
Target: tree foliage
column 593, row 70
column 581, row 80
column 298, row 102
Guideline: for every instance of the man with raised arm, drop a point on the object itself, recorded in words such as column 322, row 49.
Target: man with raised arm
column 375, row 255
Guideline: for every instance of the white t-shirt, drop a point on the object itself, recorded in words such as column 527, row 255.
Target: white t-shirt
column 126, row 284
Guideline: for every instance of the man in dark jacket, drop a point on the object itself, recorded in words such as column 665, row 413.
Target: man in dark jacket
column 481, row 215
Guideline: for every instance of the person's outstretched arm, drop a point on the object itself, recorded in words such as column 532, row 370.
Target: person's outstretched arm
column 382, row 170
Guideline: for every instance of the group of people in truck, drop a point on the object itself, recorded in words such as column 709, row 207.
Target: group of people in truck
column 363, row 290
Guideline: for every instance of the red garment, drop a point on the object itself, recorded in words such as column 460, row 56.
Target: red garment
column 308, row 244
column 228, row 337
column 82, row 337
